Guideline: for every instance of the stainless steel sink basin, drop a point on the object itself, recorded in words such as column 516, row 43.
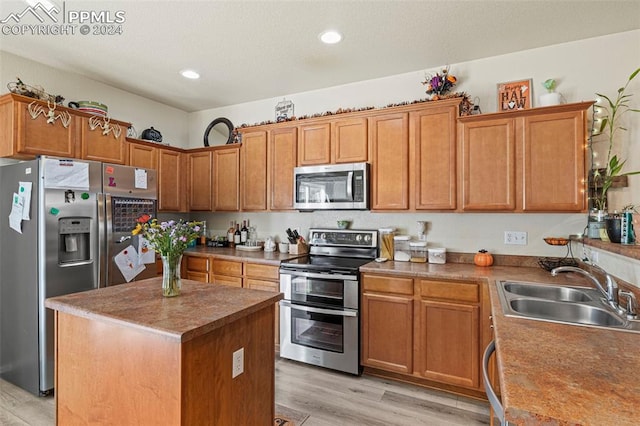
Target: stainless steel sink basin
column 563, row 304
column 566, row 312
column 551, row 292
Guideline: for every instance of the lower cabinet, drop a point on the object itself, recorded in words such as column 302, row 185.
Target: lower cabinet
column 226, row 272
column 197, row 268
column 426, row 329
column 259, row 276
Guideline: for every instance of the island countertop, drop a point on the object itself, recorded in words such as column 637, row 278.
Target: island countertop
column 199, row 309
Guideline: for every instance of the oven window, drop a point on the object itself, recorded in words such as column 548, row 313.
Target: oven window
column 318, row 292
column 320, row 331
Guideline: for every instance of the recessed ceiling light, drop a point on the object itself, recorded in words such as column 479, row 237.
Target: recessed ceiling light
column 189, row 74
column 330, row 37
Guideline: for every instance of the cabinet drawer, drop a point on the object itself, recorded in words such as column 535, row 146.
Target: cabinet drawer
column 224, row 280
column 198, row 276
column 262, row 285
column 227, row 267
column 261, row 271
column 197, row 264
column 387, row 284
column 453, row 291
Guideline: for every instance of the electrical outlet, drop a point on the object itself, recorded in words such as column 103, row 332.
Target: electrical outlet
column 515, row 237
column 238, row 363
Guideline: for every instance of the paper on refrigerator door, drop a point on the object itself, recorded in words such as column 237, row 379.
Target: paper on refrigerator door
column 127, row 263
column 140, row 179
column 145, row 253
column 15, row 217
column 66, row 174
column 24, row 190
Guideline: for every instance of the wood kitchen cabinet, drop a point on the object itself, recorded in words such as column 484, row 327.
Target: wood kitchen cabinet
column 253, row 171
column 389, row 149
column 200, row 180
column 23, row 137
column 103, row 139
column 197, row 268
column 432, row 135
column 387, row 323
column 226, row 178
column 342, row 140
column 524, row 161
column 282, row 160
column 259, row 276
column 142, row 155
column 226, row 272
column 448, row 335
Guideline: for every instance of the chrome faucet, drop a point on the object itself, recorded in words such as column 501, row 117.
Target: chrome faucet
column 610, row 293
column 632, row 304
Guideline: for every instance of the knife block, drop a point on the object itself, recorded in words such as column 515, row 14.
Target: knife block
column 300, row 248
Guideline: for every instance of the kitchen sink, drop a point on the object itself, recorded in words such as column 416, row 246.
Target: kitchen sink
column 551, row 292
column 566, row 312
column 562, row 304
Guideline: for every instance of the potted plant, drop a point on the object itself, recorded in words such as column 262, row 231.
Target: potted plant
column 551, row 97
column 610, row 126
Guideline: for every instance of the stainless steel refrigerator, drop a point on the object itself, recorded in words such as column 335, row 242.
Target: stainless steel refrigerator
column 62, row 223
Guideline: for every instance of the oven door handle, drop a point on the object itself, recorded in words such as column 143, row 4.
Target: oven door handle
column 319, row 310
column 320, row 276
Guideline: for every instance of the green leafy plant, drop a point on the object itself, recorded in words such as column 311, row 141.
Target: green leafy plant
column 550, row 85
column 610, row 125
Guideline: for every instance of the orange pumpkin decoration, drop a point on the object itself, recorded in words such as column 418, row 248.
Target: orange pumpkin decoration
column 483, row 258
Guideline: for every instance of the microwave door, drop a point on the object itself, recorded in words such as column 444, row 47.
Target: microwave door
column 350, row 186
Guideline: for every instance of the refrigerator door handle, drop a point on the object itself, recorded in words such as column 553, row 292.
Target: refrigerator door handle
column 104, row 209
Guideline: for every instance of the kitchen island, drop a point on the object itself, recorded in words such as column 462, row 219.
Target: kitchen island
column 127, row 355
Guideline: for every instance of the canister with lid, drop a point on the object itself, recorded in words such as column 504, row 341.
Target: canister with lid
column 418, row 251
column 402, row 250
column 386, row 242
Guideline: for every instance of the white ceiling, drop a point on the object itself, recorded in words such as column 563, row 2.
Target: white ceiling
column 250, row 50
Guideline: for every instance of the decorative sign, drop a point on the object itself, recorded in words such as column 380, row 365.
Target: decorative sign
column 284, row 110
column 514, row 95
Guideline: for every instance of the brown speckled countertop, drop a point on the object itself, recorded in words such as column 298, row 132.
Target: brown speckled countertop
column 198, row 309
column 551, row 374
column 260, row 256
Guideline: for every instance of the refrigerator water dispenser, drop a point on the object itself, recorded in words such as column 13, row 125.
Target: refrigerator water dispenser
column 74, row 237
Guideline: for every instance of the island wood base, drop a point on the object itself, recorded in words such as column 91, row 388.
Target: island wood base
column 110, row 373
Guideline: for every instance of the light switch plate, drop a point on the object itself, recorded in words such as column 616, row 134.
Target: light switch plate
column 515, row 237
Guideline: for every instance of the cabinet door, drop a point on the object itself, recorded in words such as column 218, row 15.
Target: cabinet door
column 282, row 160
column 433, row 135
column 488, row 165
column 98, row 146
column 314, row 144
column 273, row 286
column 143, row 156
column 200, row 185
column 554, row 157
column 226, row 179
column 349, row 141
column 389, row 141
column 448, row 343
column 387, row 323
column 170, row 181
column 253, row 181
column 35, row 136
column 225, row 280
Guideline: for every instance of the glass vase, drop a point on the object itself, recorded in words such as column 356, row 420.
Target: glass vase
column 171, row 275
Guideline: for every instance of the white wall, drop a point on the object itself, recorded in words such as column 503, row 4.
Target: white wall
column 139, row 111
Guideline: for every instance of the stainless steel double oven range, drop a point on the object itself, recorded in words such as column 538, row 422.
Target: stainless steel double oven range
column 320, row 313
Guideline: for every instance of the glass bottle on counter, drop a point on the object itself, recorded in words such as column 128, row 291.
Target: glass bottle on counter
column 244, row 231
column 236, row 235
column 230, row 232
column 203, row 233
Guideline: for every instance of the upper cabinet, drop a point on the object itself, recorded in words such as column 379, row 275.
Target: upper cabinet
column 226, row 178
column 432, row 136
column 253, row 171
column 29, row 128
column 102, row 139
column 341, row 140
column 200, row 180
column 389, row 148
column 282, row 159
column 525, row 161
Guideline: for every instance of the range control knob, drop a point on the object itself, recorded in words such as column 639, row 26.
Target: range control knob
column 315, row 236
column 358, row 237
column 367, row 238
column 323, row 236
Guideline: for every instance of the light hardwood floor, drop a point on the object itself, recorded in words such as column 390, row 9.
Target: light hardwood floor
column 330, row 398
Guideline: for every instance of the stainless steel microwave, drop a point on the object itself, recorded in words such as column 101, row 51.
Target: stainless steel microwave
column 332, row 187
